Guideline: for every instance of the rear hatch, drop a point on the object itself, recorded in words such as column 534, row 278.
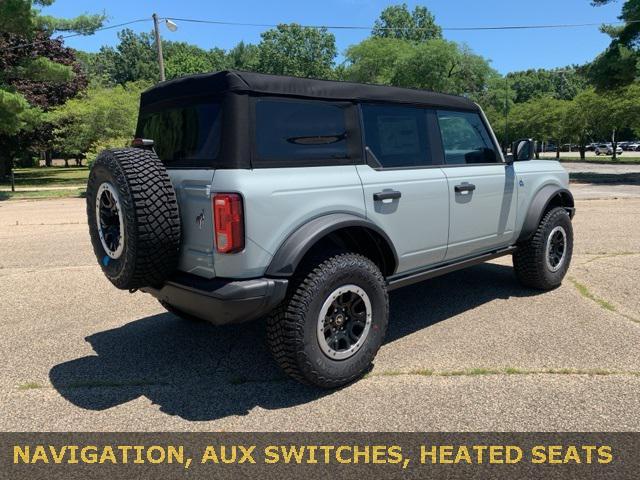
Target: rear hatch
column 186, row 135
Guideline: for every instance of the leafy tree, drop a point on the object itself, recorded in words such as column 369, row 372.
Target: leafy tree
column 296, row 50
column 437, row 65
column 374, row 60
column 563, row 84
column 397, row 22
column 244, row 56
column 619, row 64
column 186, row 59
column 103, row 115
column 36, row 72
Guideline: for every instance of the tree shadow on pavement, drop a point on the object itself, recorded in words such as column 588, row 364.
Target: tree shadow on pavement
column 200, row 372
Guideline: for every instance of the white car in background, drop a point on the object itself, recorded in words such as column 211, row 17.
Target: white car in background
column 607, row 149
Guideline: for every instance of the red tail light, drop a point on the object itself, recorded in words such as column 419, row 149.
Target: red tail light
column 228, row 222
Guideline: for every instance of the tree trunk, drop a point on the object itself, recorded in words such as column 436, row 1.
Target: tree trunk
column 614, row 144
column 66, row 162
column 582, row 151
column 557, row 149
column 47, row 158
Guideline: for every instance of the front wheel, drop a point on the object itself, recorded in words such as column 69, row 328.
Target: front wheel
column 542, row 261
column 329, row 328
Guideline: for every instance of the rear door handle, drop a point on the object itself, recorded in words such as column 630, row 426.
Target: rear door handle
column 386, row 195
column 464, row 187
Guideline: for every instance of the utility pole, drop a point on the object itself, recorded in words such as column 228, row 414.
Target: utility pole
column 156, row 29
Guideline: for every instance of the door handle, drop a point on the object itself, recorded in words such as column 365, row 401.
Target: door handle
column 386, row 195
column 464, row 187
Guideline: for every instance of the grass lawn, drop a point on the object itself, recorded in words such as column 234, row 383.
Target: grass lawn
column 43, row 194
column 600, row 160
column 48, row 177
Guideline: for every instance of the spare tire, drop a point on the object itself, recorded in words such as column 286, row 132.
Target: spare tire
column 133, row 218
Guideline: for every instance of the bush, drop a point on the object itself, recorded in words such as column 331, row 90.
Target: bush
column 100, row 145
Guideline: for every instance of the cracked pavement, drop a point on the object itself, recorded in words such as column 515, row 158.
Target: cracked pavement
column 471, row 351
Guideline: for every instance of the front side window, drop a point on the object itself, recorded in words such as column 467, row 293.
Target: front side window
column 186, row 135
column 465, row 139
column 295, row 132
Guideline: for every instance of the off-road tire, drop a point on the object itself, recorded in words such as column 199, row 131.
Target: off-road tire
column 150, row 212
column 291, row 327
column 179, row 313
column 529, row 260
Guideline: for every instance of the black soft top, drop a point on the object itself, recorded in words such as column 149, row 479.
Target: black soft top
column 219, row 83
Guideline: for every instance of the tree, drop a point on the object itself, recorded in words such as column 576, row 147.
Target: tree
column 186, row 59
column 296, row 50
column 581, row 119
column 244, row 56
column 374, row 60
column 104, row 115
column 437, row 65
column 619, row 64
column 397, row 22
column 35, row 71
column 564, row 83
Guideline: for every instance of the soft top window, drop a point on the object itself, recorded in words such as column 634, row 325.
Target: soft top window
column 300, row 132
column 184, row 136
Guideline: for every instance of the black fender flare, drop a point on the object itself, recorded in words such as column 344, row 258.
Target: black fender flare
column 294, row 248
column 539, row 205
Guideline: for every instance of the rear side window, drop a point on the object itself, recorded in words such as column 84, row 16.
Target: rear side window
column 300, row 132
column 186, row 135
column 465, row 139
column 396, row 135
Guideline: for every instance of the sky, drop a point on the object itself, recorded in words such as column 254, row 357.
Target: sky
column 508, row 50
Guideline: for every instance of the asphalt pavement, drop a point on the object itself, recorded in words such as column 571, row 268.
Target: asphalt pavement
column 471, row 351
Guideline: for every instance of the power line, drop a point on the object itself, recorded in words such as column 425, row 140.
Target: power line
column 15, row 47
column 360, row 27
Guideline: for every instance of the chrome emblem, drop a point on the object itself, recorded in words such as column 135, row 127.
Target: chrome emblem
column 200, row 220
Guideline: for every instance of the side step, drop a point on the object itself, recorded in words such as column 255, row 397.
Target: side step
column 399, row 281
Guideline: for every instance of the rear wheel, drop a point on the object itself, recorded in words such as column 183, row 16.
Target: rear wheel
column 332, row 323
column 543, row 260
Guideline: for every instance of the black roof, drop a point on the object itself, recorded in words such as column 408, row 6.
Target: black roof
column 258, row 83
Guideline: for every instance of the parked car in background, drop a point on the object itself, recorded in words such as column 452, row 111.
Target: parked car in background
column 607, row 149
column 633, row 146
column 592, row 147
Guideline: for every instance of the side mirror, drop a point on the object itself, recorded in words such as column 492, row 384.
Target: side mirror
column 523, row 149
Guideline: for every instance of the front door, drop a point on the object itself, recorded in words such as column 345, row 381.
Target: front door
column 404, row 192
column 481, row 186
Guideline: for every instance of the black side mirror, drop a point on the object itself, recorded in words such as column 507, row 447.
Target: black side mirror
column 523, row 149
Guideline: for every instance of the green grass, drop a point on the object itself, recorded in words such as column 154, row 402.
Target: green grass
column 586, row 293
column 43, row 177
column 29, row 386
column 43, row 194
column 600, row 160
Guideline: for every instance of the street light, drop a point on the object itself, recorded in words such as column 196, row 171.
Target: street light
column 172, row 28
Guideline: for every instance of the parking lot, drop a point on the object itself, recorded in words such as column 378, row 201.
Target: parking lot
column 471, row 351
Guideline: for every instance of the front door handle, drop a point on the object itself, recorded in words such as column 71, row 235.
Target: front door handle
column 464, row 187
column 386, row 195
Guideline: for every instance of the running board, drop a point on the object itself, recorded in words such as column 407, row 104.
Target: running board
column 399, row 281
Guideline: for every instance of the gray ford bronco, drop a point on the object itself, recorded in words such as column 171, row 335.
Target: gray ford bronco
column 306, row 201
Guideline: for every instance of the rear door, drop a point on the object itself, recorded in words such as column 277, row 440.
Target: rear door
column 405, row 191
column 481, row 187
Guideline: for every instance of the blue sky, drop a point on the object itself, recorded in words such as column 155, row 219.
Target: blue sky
column 508, row 50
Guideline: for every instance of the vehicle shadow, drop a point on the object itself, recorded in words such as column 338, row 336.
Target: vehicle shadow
column 200, row 372
column 606, row 178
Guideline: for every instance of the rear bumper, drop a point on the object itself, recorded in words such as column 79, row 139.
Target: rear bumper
column 222, row 300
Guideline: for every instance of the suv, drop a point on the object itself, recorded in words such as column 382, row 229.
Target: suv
column 607, row 149
column 306, row 201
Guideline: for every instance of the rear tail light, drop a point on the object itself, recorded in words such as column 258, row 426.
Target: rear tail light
column 228, row 222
